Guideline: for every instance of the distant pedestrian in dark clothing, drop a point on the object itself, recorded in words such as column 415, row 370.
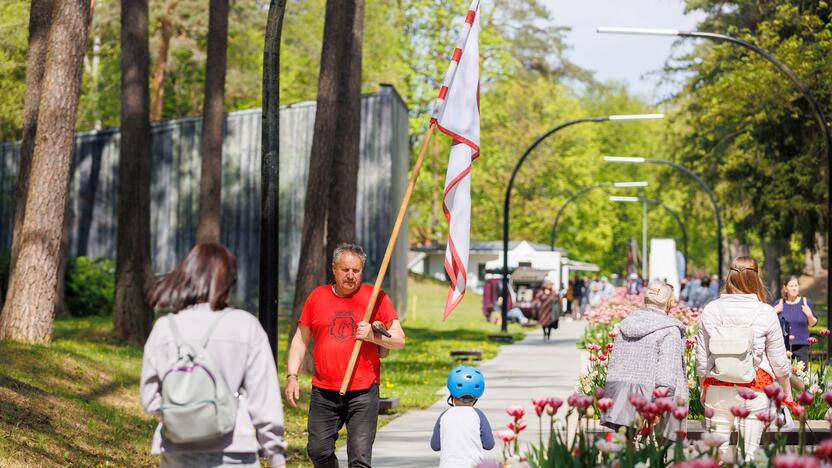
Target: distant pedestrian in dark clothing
column 547, row 316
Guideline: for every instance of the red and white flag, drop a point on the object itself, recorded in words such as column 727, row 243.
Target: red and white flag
column 457, row 113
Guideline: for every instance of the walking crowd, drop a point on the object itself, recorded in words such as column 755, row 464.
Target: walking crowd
column 209, row 376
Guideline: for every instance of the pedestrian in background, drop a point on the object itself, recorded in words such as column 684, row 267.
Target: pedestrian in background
column 798, row 314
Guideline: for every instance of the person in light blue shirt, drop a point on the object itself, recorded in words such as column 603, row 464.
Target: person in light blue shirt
column 462, row 433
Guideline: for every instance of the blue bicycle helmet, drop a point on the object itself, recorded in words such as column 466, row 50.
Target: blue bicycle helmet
column 466, row 380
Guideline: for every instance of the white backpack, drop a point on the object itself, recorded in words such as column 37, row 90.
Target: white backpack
column 197, row 404
column 733, row 350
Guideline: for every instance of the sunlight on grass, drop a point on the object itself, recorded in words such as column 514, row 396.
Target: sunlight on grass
column 75, row 402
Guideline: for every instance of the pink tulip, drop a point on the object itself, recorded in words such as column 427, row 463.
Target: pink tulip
column 599, row 392
column 824, row 449
column 698, row 463
column 827, row 397
column 746, row 393
column 680, row 413
column 806, row 398
column 604, row 404
column 812, row 340
column 791, row 337
column 573, row 399
column 515, row 411
column 612, row 334
column 708, row 412
column 637, row 401
column 771, row 390
column 795, row 461
column 824, row 332
column 609, row 346
column 740, row 412
column 690, row 342
column 661, row 392
column 554, row 403
column 506, row 436
column 765, row 418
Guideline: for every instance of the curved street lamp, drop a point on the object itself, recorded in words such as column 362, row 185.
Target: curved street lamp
column 507, row 202
column 578, row 194
column 817, row 110
column 701, row 183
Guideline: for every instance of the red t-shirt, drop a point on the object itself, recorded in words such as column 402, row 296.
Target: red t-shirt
column 332, row 320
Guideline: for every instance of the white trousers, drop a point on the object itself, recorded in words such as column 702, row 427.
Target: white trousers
column 721, row 400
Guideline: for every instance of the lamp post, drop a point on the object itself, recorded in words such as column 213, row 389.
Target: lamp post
column 578, row 194
column 705, row 187
column 643, row 201
column 507, row 202
column 817, row 110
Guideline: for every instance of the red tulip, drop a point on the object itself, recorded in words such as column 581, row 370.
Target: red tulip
column 698, row 463
column 827, row 397
column 740, row 412
column 539, row 401
column 813, row 340
column 604, row 404
column 824, row 332
column 609, row 346
column 665, row 404
column 612, row 334
column 602, row 357
column 690, row 342
column 592, row 358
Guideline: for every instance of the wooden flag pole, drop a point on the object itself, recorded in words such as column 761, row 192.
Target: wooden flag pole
column 388, row 253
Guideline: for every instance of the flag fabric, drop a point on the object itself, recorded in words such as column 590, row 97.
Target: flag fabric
column 457, row 114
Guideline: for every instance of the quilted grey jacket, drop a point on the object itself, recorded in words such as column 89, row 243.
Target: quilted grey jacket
column 647, row 353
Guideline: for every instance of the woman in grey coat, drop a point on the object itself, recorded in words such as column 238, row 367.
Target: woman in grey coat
column 648, row 353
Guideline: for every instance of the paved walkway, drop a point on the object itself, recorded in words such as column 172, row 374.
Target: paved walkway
column 519, row 372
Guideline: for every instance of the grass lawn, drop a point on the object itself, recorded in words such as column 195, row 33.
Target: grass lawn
column 75, row 402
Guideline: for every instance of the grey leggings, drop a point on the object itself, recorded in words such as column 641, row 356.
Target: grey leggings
column 212, row 460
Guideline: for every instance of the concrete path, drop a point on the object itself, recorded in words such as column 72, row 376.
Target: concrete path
column 519, row 372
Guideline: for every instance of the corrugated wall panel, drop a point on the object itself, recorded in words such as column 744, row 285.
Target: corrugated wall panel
column 175, row 191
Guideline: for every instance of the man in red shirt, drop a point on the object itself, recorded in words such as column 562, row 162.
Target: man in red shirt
column 333, row 317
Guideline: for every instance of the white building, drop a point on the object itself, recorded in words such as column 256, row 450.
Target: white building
column 488, row 256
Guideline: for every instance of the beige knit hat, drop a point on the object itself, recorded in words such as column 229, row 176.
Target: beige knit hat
column 659, row 294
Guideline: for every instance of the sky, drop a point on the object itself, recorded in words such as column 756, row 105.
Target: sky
column 635, row 60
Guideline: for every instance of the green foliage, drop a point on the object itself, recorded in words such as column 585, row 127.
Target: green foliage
column 743, row 126
column 14, row 27
column 90, row 286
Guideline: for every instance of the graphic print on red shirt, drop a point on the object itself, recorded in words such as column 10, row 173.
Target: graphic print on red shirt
column 332, row 320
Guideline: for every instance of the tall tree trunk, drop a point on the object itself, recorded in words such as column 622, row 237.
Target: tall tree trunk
column 772, row 251
column 330, row 139
column 40, row 16
column 269, row 173
column 344, row 187
column 210, row 182
column 134, row 316
column 33, row 286
column 160, row 67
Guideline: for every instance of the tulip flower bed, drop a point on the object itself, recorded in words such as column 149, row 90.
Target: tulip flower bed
column 644, row 446
column 601, row 331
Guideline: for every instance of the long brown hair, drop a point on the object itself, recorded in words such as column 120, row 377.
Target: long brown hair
column 784, row 293
column 744, row 278
column 206, row 275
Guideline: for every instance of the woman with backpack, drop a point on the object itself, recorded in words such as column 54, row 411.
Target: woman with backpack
column 208, row 371
column 797, row 314
column 740, row 345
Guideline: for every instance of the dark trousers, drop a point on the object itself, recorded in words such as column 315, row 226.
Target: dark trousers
column 328, row 412
column 801, row 352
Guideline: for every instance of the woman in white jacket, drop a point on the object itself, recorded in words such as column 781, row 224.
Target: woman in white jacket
column 742, row 305
column 196, row 293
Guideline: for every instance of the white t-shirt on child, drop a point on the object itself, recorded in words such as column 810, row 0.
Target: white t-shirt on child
column 461, row 435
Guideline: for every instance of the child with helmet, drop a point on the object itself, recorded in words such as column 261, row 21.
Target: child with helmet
column 462, row 433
